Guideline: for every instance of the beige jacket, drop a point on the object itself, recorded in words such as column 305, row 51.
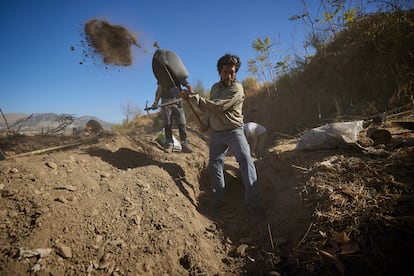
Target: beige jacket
column 224, row 108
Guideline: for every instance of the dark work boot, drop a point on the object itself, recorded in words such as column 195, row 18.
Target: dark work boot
column 185, row 147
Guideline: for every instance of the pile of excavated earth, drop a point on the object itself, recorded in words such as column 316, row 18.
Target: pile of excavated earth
column 116, row 204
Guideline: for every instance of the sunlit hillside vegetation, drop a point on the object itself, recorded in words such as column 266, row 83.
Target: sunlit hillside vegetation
column 367, row 69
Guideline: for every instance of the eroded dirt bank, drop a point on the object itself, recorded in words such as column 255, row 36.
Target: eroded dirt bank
column 121, row 206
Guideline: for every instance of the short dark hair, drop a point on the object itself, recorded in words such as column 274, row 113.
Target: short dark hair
column 228, row 59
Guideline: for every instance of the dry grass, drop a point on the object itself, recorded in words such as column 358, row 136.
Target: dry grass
column 355, row 197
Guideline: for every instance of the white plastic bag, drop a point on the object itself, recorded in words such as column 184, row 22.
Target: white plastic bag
column 335, row 135
column 162, row 140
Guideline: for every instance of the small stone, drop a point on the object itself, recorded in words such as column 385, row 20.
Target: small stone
column 211, row 228
column 98, row 238
column 241, row 249
column 105, row 175
column 13, row 170
column 228, row 260
column 61, row 199
column 64, row 251
column 51, row 165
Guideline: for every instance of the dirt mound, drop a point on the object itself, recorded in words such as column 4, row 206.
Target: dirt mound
column 93, row 126
column 121, row 206
column 112, row 42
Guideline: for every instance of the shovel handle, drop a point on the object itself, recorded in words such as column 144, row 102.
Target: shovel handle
column 195, row 113
column 191, row 106
column 164, row 104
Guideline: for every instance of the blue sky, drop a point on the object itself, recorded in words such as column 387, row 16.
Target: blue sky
column 40, row 73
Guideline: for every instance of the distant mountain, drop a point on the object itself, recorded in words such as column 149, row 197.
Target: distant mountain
column 43, row 122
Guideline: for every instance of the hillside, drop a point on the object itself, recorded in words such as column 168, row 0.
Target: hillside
column 118, row 204
column 367, row 70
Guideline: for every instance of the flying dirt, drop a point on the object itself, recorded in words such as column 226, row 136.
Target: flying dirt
column 112, row 42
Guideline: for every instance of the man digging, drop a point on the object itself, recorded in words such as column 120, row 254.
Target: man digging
column 171, row 75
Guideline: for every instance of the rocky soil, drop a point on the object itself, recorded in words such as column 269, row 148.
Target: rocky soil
column 120, row 205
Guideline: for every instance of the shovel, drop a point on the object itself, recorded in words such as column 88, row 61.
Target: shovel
column 191, row 106
column 147, row 108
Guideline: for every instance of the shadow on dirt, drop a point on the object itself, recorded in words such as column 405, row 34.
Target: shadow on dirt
column 233, row 200
column 125, row 159
column 232, row 220
column 267, row 245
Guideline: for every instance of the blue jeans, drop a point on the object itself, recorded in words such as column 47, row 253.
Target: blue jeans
column 235, row 140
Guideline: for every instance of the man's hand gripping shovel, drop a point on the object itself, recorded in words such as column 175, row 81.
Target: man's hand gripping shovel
column 186, row 99
column 154, row 107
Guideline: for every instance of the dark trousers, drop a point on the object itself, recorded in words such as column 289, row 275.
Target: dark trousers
column 176, row 112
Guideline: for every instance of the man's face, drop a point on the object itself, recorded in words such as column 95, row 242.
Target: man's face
column 228, row 75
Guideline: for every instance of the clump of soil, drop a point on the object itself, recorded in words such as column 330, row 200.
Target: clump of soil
column 112, row 42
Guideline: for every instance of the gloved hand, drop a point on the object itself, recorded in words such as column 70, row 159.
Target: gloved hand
column 154, row 106
column 184, row 94
column 204, row 128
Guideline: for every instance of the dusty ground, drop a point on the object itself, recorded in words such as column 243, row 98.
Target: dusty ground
column 120, row 205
